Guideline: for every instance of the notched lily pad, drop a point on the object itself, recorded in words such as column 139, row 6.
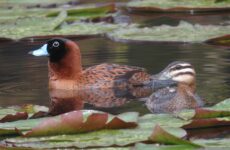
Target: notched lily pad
column 141, row 146
column 102, row 138
column 191, row 6
column 160, row 135
column 217, row 115
column 15, row 113
column 33, row 3
column 218, row 143
column 85, row 11
column 42, row 22
column 83, row 121
column 183, row 32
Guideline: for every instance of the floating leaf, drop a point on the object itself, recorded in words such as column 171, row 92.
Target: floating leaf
column 83, row 121
column 203, row 113
column 11, row 114
column 178, row 5
column 86, row 11
column 222, row 106
column 218, row 143
column 217, row 115
column 35, row 22
column 102, row 138
column 205, row 123
column 37, row 26
column 141, row 146
column 20, row 112
column 222, row 41
column 184, row 32
column 159, row 135
column 26, row 3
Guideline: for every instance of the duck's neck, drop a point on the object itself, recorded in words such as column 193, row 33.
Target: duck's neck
column 68, row 68
column 193, row 86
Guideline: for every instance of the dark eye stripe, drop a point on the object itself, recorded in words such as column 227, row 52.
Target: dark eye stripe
column 183, row 73
column 180, row 67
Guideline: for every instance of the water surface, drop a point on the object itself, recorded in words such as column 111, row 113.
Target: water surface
column 24, row 77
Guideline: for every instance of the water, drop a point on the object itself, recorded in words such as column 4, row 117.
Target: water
column 24, row 77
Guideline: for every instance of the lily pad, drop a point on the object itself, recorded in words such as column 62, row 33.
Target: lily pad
column 23, row 23
column 159, row 135
column 223, row 143
column 102, row 138
column 190, row 6
column 141, row 146
column 37, row 26
column 20, row 112
column 222, row 41
column 184, row 32
column 205, row 123
column 29, row 3
column 83, row 121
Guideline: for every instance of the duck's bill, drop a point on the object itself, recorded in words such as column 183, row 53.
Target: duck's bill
column 40, row 52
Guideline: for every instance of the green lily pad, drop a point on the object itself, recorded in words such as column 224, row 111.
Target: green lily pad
column 159, row 135
column 23, row 23
column 205, row 123
column 184, row 32
column 179, row 5
column 37, row 26
column 83, row 121
column 221, row 109
column 215, row 143
column 141, row 146
column 26, row 3
column 119, row 137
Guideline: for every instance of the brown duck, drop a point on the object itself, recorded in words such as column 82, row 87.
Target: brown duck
column 97, row 85
column 66, row 72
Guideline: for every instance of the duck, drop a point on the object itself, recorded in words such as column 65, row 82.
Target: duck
column 66, row 71
column 176, row 92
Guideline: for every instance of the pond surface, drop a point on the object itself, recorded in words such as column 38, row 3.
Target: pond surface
column 24, row 77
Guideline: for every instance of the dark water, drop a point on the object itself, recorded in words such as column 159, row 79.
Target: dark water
column 24, row 77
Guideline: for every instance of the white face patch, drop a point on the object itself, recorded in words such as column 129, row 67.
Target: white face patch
column 184, row 70
column 186, row 78
column 41, row 51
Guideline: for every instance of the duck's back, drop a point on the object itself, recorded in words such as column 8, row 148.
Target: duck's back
column 113, row 75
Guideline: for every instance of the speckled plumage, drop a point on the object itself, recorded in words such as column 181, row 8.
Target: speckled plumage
column 68, row 73
column 104, row 85
column 181, row 90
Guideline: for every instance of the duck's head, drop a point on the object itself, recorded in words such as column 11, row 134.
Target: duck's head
column 56, row 49
column 180, row 71
column 64, row 56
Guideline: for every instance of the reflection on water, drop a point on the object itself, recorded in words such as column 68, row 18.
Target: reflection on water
column 24, row 77
column 101, row 99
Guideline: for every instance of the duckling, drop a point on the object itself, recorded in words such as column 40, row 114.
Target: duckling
column 66, row 72
column 181, row 90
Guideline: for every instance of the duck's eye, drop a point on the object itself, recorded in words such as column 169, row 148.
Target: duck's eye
column 178, row 67
column 56, row 44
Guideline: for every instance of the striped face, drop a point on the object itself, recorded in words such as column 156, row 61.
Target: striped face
column 179, row 71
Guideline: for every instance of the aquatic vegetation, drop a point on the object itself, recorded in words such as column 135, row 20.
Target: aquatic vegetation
column 178, row 5
column 23, row 23
column 55, row 132
column 183, row 32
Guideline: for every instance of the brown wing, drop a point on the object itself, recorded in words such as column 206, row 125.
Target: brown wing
column 115, row 75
